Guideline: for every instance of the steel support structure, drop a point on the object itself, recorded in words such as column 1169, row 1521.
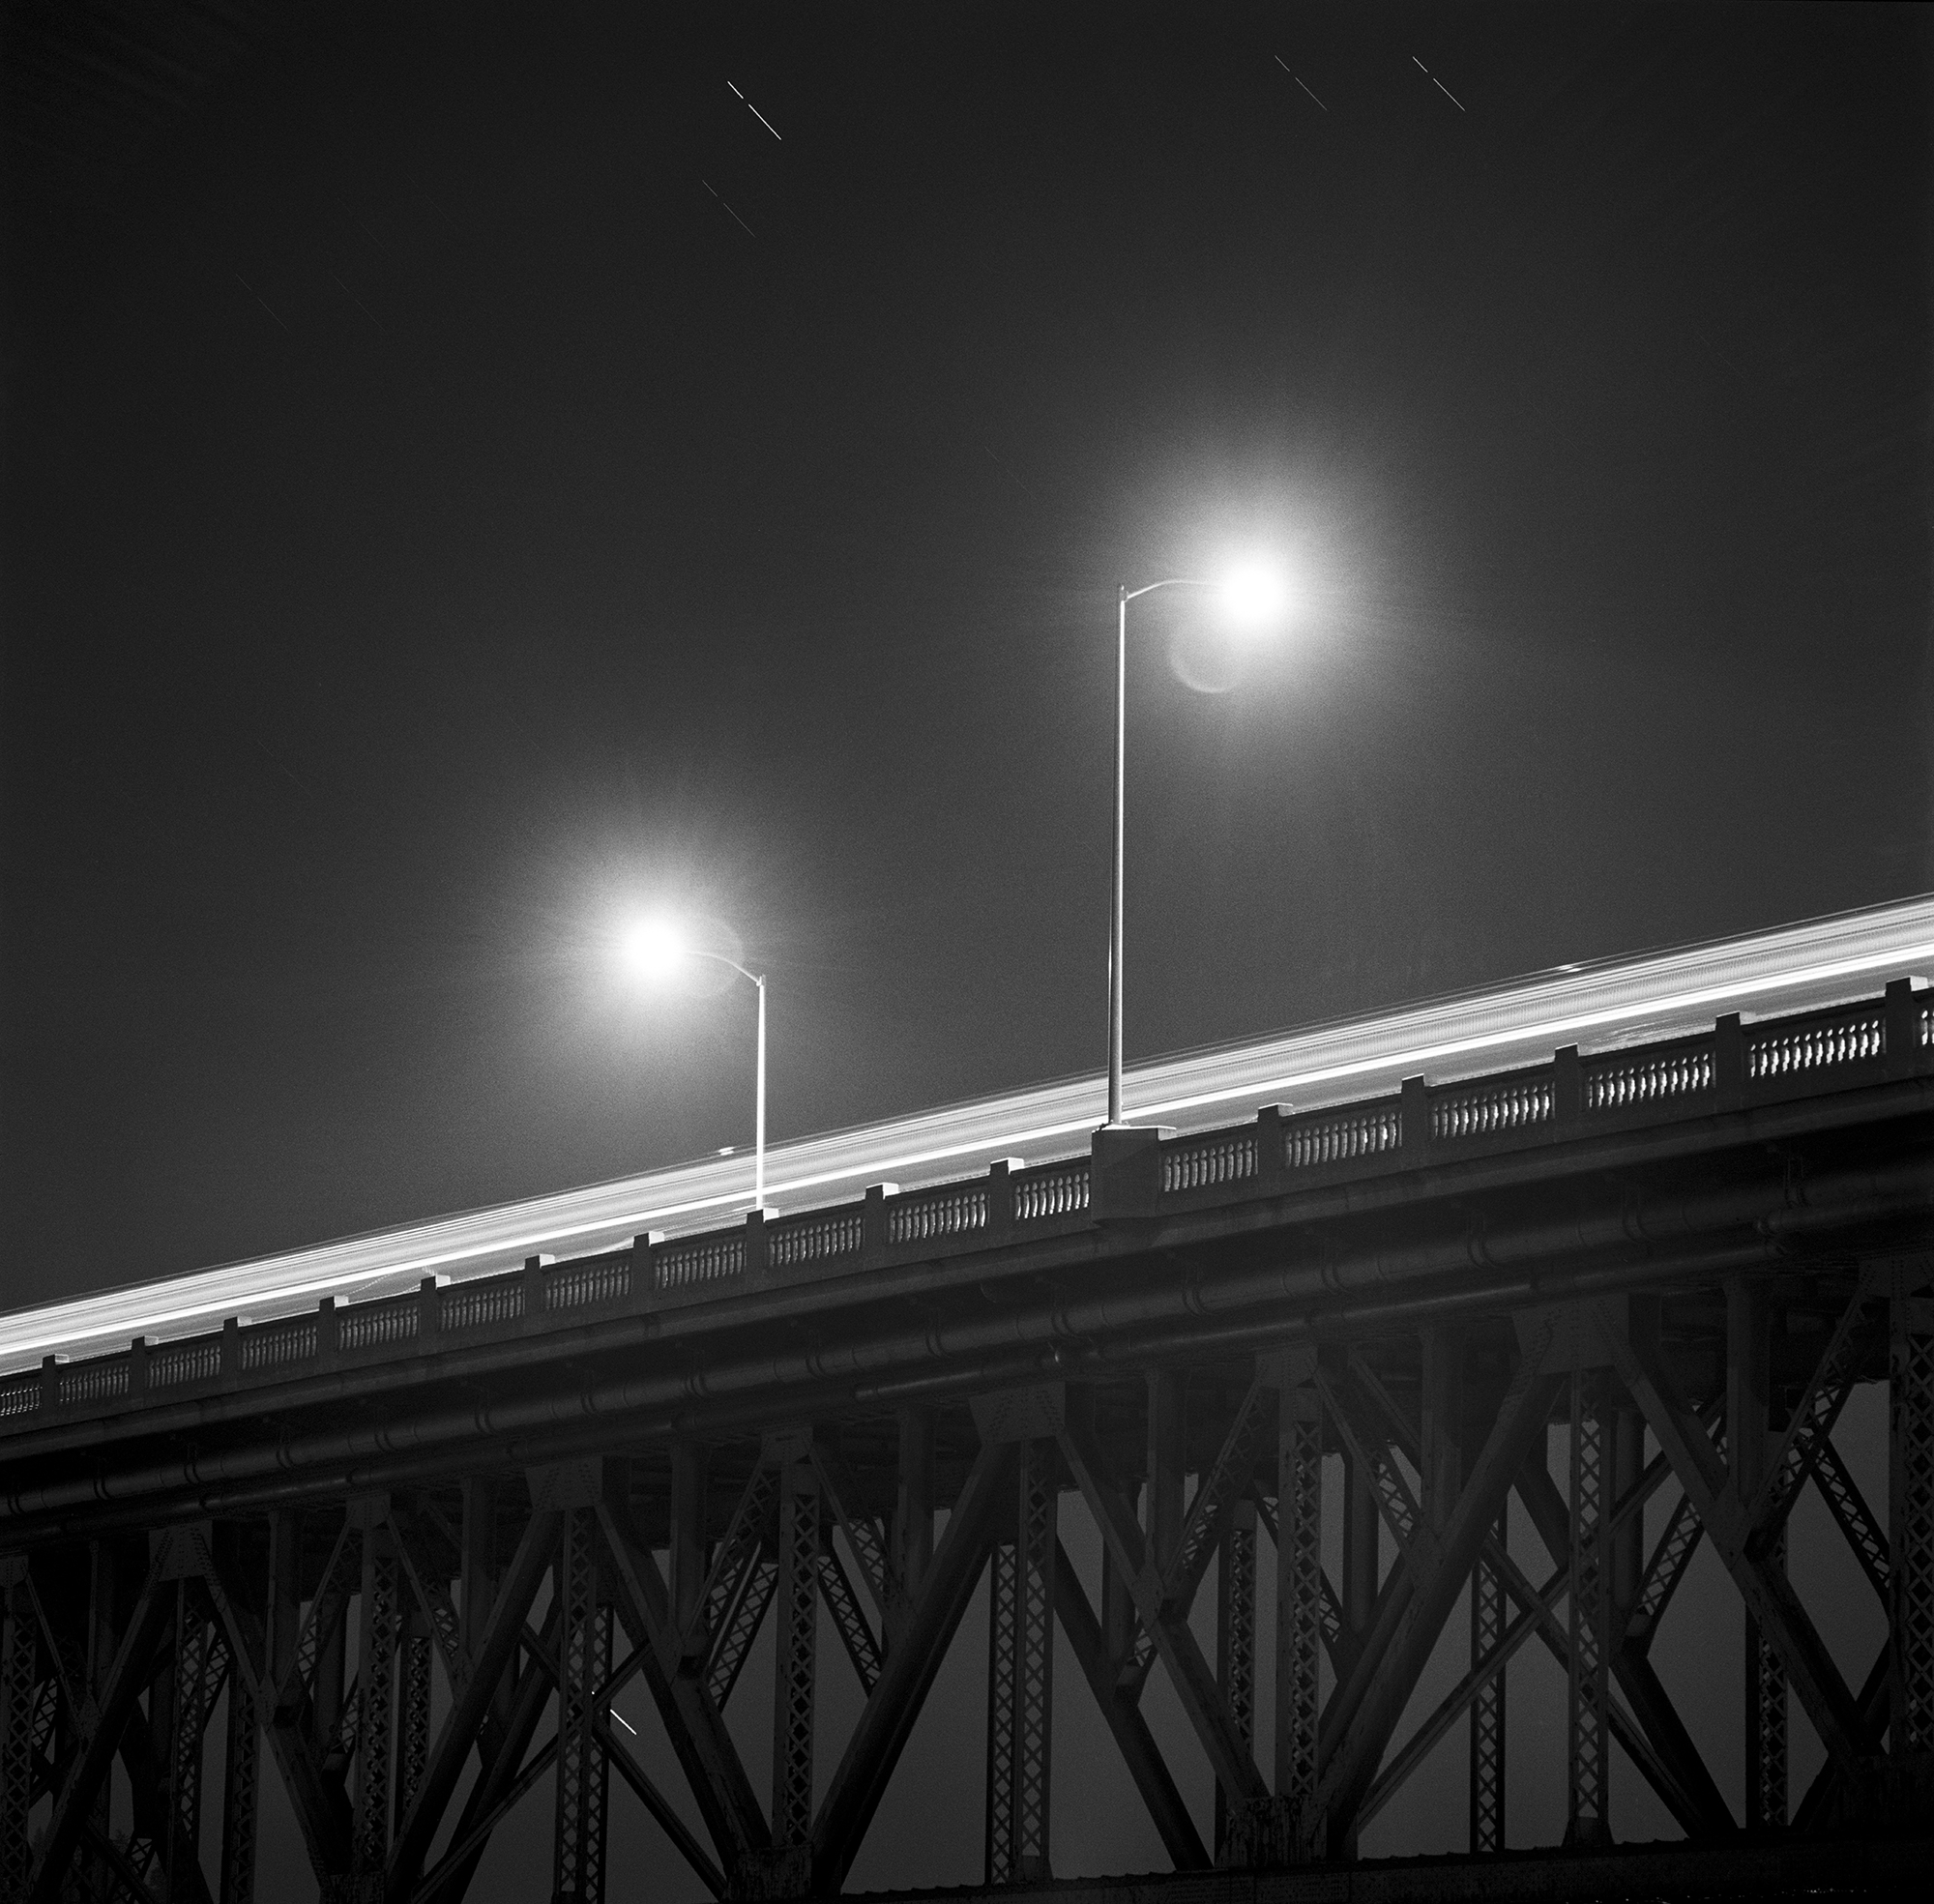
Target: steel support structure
column 1487, row 1702
column 584, row 1663
column 1020, row 1672
column 1236, row 1640
column 390, row 1650
column 1588, row 1732
column 1911, row 1525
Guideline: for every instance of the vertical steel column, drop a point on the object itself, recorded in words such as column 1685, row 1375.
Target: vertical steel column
column 377, row 1669
column 1765, row 1718
column 1003, row 1624
column 1299, row 1599
column 583, row 1770
column 478, row 1581
column 1034, row 1655
column 1020, row 1675
column 1236, row 1639
column 1911, row 1524
column 1487, row 1709
column 913, row 1504
column 1749, row 1441
column 1167, row 1455
column 102, row 1642
column 686, row 1555
column 795, row 1666
column 1441, row 1437
column 189, row 1714
column 413, row 1709
column 20, row 1688
column 1588, row 1738
column 240, row 1787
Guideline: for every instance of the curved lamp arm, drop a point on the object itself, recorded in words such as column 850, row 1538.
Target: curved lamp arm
column 1174, row 581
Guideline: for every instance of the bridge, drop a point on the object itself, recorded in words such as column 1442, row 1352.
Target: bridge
column 1375, row 1395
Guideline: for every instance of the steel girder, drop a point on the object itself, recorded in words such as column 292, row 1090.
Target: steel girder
column 251, row 1620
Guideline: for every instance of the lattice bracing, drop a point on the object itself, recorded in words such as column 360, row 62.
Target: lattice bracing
column 1849, row 1508
column 584, row 1769
column 1911, row 1530
column 1020, row 1687
column 375, row 1708
column 1671, row 1556
column 240, row 1797
column 796, row 1666
column 758, row 1582
column 848, row 1620
column 1299, row 1594
column 198, row 1656
column 1236, row 1639
column 19, row 1683
column 1034, row 1656
column 1588, row 1740
column 1766, row 1780
column 1851, row 1343
column 1002, row 1620
column 1487, row 1706
column 413, row 1717
column 327, row 1609
column 740, row 1586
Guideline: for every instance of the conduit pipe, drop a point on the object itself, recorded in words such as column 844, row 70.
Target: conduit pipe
column 1892, row 1189
column 848, row 1368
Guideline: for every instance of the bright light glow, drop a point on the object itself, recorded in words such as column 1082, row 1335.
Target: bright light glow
column 654, row 949
column 1254, row 596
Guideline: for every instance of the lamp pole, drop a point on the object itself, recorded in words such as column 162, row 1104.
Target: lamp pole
column 1126, row 595
column 758, row 980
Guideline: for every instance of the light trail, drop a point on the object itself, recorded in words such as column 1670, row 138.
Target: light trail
column 1521, row 1021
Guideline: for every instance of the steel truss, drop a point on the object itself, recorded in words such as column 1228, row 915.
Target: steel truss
column 127, row 1651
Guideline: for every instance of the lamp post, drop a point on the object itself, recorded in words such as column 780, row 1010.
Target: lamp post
column 656, row 947
column 1252, row 596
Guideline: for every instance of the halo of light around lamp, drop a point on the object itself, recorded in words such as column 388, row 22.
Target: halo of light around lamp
column 1254, row 596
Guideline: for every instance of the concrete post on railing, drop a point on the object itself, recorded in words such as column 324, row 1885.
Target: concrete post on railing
column 328, row 1333
column 137, row 1366
column 1271, row 1171
column 873, row 1235
column 1414, row 1121
column 50, row 1369
column 755, row 1244
column 534, row 1290
column 1125, row 1170
column 1567, row 1090
column 231, row 1348
column 430, row 1310
column 645, row 1247
column 1001, row 1197
column 1729, row 1062
column 1901, row 1028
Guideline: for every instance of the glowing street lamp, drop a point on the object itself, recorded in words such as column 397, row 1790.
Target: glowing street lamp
column 657, row 950
column 1253, row 599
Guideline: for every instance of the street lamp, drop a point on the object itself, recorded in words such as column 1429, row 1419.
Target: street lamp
column 656, row 949
column 1252, row 597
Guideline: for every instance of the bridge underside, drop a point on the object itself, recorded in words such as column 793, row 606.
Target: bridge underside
column 1540, row 1381
column 1849, row 1867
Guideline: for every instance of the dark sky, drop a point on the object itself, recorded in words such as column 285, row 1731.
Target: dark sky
column 465, row 476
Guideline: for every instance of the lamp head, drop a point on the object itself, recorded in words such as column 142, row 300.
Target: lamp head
column 1254, row 596
column 654, row 949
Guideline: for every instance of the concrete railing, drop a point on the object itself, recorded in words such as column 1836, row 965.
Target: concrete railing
column 1278, row 1153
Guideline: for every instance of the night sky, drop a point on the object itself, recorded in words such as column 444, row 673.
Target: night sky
column 466, row 476
column 470, row 474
